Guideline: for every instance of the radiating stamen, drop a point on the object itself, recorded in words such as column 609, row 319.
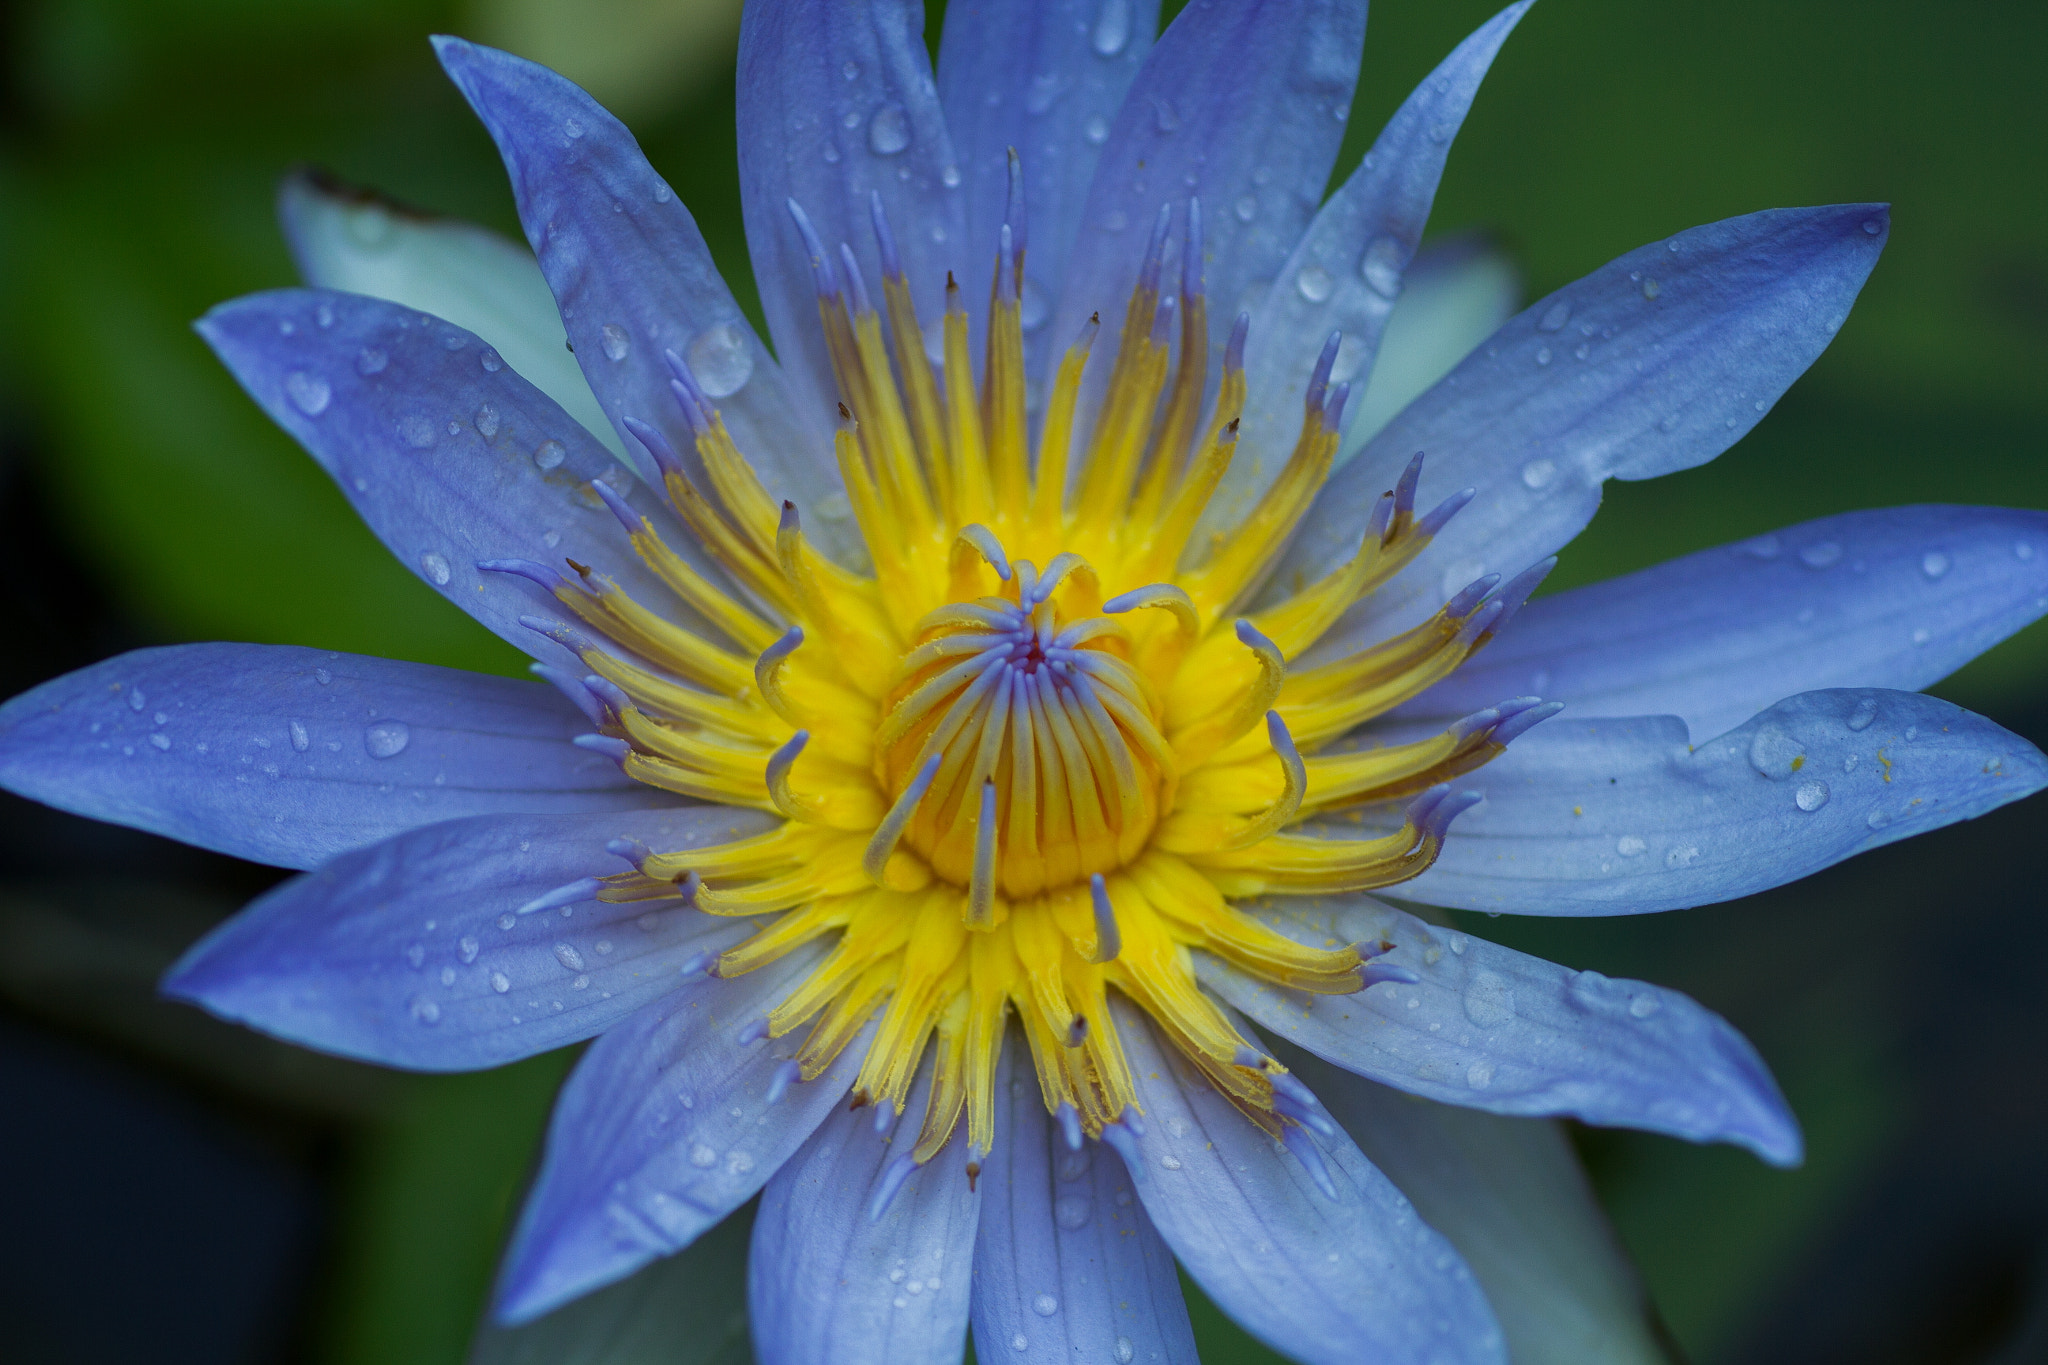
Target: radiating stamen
column 1108, row 940
column 889, row 833
column 981, row 897
column 779, row 764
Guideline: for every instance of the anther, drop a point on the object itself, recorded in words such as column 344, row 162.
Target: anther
column 890, row 831
column 981, row 889
column 1191, row 256
column 1444, row 511
column 1294, row 787
column 1109, row 940
column 1372, row 974
column 1515, row 592
column 1155, row 250
column 893, row 1176
column 1077, row 1030
column 1167, row 596
column 984, row 541
column 1513, row 727
column 1125, row 1144
column 631, row 851
column 610, row 693
column 1404, row 488
column 1006, row 272
column 1333, row 409
column 567, row 636
column 1233, row 352
column 615, row 749
column 582, row 889
column 779, row 764
column 1471, row 595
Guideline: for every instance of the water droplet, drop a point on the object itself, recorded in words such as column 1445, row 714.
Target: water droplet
column 1543, row 355
column 1315, row 283
column 487, row 421
column 1045, row 1305
column 1096, row 130
column 572, row 127
column 616, row 343
column 1479, row 1075
column 301, row 741
column 851, row 70
column 468, row 948
column 1877, row 819
column 1922, row 636
column 309, row 393
column 387, row 738
column 721, row 359
column 1072, row 1211
column 416, row 431
column 1020, row 1343
column 549, row 454
column 323, row 316
column 162, row 742
column 435, row 568
column 1934, row 563
column 1629, row 846
column 1170, row 1162
column 702, row 1157
column 889, row 130
column 322, row 676
column 950, row 177
column 1683, row 856
column 1032, row 307
column 1820, row 554
column 1458, row 942
column 1774, row 753
column 1651, row 289
column 1539, row 473
column 1872, row 226
column 1555, row 317
column 1246, row 207
column 1645, row 1005
column 1763, row 547
column 566, row 954
column 425, row 1010
column 1125, row 1352
column 1489, row 999
column 1382, row 265
column 2022, row 550
column 1811, row 795
column 507, row 920
column 136, row 700
column 1112, row 27
column 1165, row 116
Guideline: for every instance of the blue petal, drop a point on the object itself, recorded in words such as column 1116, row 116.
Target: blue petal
column 1241, row 104
column 1510, row 1195
column 1494, row 1029
column 671, row 1121
column 448, row 455
column 1617, row 817
column 1899, row 597
column 837, row 104
column 1357, row 1277
column 827, row 1281
column 1067, row 1267
column 1044, row 77
column 414, row 953
column 350, row 241
column 632, row 274
column 290, row 756
column 1347, row 269
column 1454, row 296
column 1657, row 361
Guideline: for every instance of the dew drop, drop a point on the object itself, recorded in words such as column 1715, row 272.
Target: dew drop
column 566, row 954
column 1170, row 1162
column 1543, row 355
column 1246, row 207
column 387, row 738
column 1165, row 116
column 1096, row 130
column 322, row 676
column 550, row 454
column 950, row 177
column 301, row 741
column 1872, row 226
column 1458, row 942
column 1125, row 1352
column 425, row 1010
column 1112, row 27
column 487, row 421
column 162, row 742
column 1045, row 1305
column 1934, row 563
column 1072, row 1211
column 1877, row 819
column 1489, row 999
column 1539, row 473
column 721, row 359
column 1684, row 856
column 1315, row 283
column 435, row 568
column 507, row 920
column 1479, row 1075
column 1651, row 289
column 1820, row 554
column 889, row 130
column 1020, row 1343
column 1555, row 317
column 614, row 340
column 309, row 393
column 1763, row 547
column 572, row 127
column 468, row 947
column 1629, row 846
column 1381, row 266
column 851, row 70
column 1811, row 796
column 416, row 431
column 703, row 1157
column 1032, row 307
column 1645, row 1005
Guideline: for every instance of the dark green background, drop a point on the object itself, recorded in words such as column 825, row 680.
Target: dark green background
column 143, row 499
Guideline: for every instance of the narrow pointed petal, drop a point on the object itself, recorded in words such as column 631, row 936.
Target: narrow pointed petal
column 827, row 1281
column 685, row 1309
column 290, row 756
column 1067, row 1266
column 1454, row 295
column 1658, row 361
column 414, row 953
column 1242, row 103
column 1897, row 597
column 632, row 274
column 1347, row 270
column 448, row 455
column 670, row 1122
column 350, row 241
column 1047, row 79
column 837, row 104
column 1490, row 1028
column 1358, row 1277
column 1512, row 1198
column 1619, row 817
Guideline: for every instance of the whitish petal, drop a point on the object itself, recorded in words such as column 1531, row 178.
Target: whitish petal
column 1357, row 1277
column 1510, row 1195
column 1045, row 77
column 1494, row 1029
column 837, row 104
column 1242, row 104
column 1899, row 597
column 353, row 242
column 671, row 1121
column 1657, row 361
column 290, row 756
column 826, row 1280
column 1068, row 1270
column 449, row 456
column 414, row 952
column 1346, row 271
column 1617, row 817
column 1453, row 297
column 632, row 274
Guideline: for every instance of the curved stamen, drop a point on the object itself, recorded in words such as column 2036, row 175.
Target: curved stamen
column 890, row 832
column 768, row 673
column 1109, row 940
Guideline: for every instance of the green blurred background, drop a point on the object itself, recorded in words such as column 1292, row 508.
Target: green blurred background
column 143, row 499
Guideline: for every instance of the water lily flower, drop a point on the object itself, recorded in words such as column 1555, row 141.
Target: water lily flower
column 969, row 736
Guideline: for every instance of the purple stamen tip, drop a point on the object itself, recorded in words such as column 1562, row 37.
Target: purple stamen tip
column 1155, row 251
column 1515, row 726
column 1070, row 1125
column 570, row 686
column 1013, row 209
column 1311, row 1157
column 893, row 1176
column 1404, row 490
column 1125, row 1143
column 1380, row 973
column 885, row 240
column 1440, row 516
column 582, row 889
column 821, row 264
column 1191, row 257
column 628, row 518
column 540, row 575
column 656, row 444
column 855, row 285
column 1333, row 407
column 1162, row 321
column 1233, row 353
column 609, row 692
column 754, row 1031
column 786, row 1075
column 1319, row 378
column 1006, row 273
column 613, row 748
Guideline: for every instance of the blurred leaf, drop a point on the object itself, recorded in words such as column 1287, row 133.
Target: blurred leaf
column 637, row 56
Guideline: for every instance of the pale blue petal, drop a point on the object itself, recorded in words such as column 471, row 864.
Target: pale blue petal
column 1512, row 1198
column 633, row 276
column 671, row 1121
column 837, row 104
column 1494, row 1029
column 449, row 456
column 1898, row 597
column 1045, row 77
column 1242, row 104
column 290, row 756
column 1357, row 1277
column 1454, row 296
column 351, row 241
column 414, row 953
column 1347, row 270
column 1657, row 361
column 1068, row 1270
column 828, row 1282
column 1617, row 817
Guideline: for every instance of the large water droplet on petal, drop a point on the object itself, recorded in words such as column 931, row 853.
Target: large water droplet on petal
column 614, row 340
column 387, row 738
column 1489, row 999
column 549, row 454
column 435, row 567
column 1820, row 554
column 1381, row 266
column 416, row 431
column 1811, row 795
column 1315, row 283
column 309, row 392
column 1112, row 27
column 721, row 359
column 889, row 130
column 1934, row 563
column 1555, row 317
